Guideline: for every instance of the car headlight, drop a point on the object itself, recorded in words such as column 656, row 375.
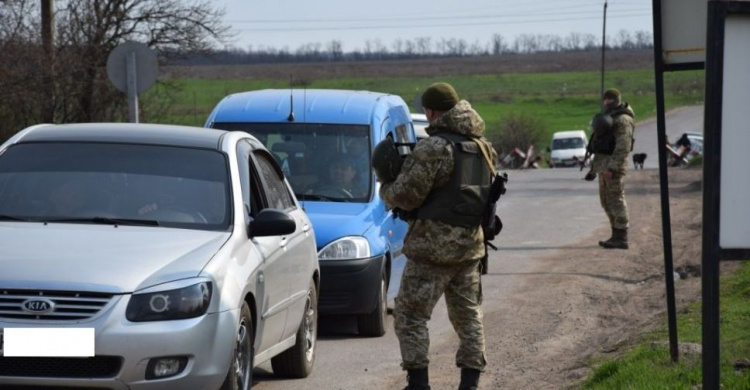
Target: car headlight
column 346, row 248
column 188, row 302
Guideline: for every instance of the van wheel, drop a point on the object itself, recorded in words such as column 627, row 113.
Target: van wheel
column 240, row 375
column 297, row 361
column 373, row 324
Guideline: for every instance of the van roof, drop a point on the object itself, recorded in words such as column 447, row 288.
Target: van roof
column 311, row 106
column 569, row 134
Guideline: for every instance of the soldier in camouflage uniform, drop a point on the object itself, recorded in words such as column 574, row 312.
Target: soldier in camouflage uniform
column 611, row 148
column 445, row 242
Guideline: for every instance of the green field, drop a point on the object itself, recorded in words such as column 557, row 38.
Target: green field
column 648, row 367
column 564, row 100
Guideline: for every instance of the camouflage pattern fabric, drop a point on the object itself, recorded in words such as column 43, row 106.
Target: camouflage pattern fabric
column 422, row 285
column 623, row 128
column 612, row 198
column 612, row 192
column 428, row 167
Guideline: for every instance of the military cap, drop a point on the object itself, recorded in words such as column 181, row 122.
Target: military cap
column 611, row 93
column 439, row 97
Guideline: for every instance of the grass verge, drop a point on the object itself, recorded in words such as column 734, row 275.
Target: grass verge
column 648, row 365
column 562, row 100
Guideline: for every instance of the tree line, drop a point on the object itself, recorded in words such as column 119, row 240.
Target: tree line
column 423, row 47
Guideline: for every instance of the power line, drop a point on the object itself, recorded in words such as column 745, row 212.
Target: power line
column 418, row 19
column 412, row 26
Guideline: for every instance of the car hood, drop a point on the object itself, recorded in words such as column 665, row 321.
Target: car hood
column 565, row 154
column 103, row 258
column 333, row 220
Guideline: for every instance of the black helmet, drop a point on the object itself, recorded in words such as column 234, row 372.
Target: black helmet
column 386, row 161
column 602, row 123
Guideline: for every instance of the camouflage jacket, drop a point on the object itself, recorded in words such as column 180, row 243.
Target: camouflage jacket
column 426, row 169
column 624, row 124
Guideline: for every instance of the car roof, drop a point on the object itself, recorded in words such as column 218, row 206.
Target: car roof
column 418, row 117
column 569, row 133
column 310, row 105
column 138, row 133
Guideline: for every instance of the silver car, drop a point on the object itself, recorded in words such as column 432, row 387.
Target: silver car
column 182, row 251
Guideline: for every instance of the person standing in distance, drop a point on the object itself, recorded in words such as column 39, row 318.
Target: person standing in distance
column 444, row 184
column 611, row 145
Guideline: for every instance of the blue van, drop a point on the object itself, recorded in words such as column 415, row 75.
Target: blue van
column 323, row 140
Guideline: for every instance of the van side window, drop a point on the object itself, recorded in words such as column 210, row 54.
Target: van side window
column 278, row 195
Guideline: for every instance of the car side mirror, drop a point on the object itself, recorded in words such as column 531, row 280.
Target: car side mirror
column 271, row 222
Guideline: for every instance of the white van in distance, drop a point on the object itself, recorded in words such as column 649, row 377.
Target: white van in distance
column 568, row 148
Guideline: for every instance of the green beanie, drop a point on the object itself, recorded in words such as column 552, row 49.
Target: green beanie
column 439, row 97
column 611, row 94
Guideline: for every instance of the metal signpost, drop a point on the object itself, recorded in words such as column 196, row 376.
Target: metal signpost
column 132, row 68
column 726, row 230
column 679, row 44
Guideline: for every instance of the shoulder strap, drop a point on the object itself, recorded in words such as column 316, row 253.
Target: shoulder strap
column 485, row 154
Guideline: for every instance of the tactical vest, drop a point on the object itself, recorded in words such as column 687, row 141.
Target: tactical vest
column 462, row 201
column 603, row 140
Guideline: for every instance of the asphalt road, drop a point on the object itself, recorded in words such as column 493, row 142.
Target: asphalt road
column 681, row 120
column 543, row 211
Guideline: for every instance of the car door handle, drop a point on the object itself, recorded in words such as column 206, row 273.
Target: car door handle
column 283, row 242
column 306, row 227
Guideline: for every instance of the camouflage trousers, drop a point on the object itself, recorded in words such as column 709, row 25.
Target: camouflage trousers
column 422, row 285
column 612, row 197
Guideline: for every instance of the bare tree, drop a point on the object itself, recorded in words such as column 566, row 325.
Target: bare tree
column 499, row 46
column 86, row 32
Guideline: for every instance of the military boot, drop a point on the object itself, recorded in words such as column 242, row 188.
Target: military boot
column 602, row 243
column 619, row 240
column 418, row 379
column 469, row 379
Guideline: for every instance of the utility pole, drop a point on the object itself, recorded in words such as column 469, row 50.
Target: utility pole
column 48, row 46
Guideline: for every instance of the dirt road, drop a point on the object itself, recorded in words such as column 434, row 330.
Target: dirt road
column 553, row 297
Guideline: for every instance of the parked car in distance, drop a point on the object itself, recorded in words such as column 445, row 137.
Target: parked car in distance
column 568, row 148
column 184, row 250
column 420, row 125
column 323, row 140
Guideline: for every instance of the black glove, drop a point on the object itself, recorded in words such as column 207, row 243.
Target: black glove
column 590, row 176
column 404, row 215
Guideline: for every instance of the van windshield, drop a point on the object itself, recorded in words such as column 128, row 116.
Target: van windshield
column 567, row 143
column 323, row 162
column 124, row 184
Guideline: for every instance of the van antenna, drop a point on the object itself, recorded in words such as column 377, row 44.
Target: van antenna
column 290, row 118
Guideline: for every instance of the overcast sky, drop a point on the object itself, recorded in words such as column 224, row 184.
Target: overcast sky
column 292, row 23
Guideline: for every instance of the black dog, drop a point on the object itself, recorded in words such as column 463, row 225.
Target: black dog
column 638, row 159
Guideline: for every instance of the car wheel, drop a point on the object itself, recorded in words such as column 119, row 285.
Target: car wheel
column 297, row 361
column 373, row 324
column 240, row 375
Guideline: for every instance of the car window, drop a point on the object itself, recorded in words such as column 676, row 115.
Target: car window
column 567, row 143
column 86, row 182
column 243, row 160
column 277, row 194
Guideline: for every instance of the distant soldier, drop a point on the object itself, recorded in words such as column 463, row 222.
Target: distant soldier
column 611, row 143
column 443, row 184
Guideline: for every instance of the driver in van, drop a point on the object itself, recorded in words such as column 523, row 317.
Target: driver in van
column 343, row 175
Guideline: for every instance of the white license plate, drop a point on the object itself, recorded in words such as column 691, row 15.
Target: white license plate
column 48, row 342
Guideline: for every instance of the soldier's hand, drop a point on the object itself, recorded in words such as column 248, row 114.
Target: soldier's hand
column 590, row 176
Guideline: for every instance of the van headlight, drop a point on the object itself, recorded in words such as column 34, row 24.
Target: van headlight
column 179, row 304
column 346, row 248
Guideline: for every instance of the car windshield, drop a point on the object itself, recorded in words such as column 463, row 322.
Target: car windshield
column 115, row 183
column 567, row 143
column 323, row 162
